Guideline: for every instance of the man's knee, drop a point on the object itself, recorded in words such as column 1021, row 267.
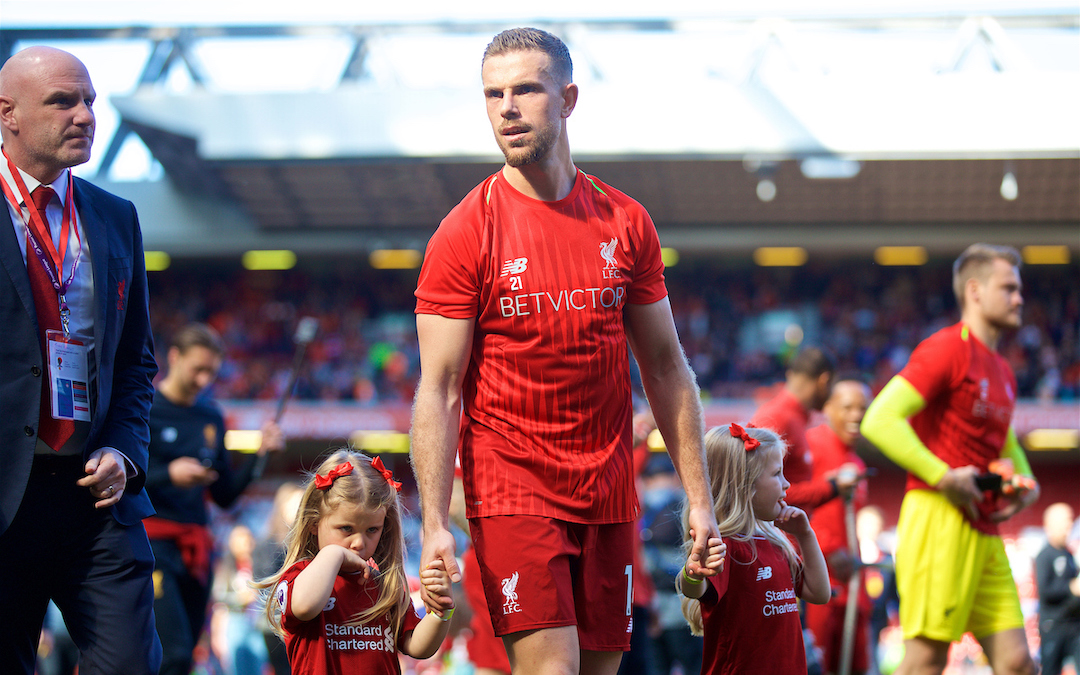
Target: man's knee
column 546, row 651
column 923, row 656
column 1014, row 662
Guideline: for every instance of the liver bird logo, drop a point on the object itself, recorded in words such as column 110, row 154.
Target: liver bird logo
column 509, row 588
column 607, row 252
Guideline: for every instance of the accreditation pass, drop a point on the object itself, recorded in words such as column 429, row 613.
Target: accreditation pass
column 69, row 375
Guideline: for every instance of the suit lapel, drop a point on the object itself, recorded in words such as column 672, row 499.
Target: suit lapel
column 12, row 261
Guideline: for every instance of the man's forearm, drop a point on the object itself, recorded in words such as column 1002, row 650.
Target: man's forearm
column 433, row 448
column 676, row 407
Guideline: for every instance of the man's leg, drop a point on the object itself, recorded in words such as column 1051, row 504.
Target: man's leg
column 604, row 663
column 555, row 651
column 1008, row 653
column 1051, row 652
column 923, row 656
column 170, row 614
column 108, row 597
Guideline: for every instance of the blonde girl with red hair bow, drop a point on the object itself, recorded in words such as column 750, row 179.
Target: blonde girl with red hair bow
column 341, row 599
column 749, row 612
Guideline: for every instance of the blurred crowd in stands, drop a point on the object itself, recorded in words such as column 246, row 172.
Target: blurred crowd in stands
column 737, row 325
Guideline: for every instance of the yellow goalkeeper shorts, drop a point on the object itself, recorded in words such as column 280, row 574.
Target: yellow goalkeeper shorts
column 951, row 578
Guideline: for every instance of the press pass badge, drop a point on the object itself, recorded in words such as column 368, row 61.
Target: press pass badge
column 69, row 375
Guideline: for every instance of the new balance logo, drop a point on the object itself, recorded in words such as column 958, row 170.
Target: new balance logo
column 764, row 573
column 514, row 266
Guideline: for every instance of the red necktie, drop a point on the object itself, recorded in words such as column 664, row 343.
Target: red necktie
column 54, row 432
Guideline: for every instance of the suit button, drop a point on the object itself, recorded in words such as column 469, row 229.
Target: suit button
column 29, row 431
column 35, row 371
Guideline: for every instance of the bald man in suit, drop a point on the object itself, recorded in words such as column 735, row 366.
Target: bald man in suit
column 72, row 282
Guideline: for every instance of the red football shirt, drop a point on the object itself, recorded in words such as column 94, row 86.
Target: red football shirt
column 546, row 429
column 751, row 614
column 829, row 454
column 786, row 416
column 331, row 644
column 970, row 394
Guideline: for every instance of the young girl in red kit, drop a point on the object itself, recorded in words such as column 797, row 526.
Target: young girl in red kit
column 749, row 612
column 341, row 600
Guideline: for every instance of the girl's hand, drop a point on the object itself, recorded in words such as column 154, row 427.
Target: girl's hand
column 436, row 581
column 792, row 520
column 352, row 563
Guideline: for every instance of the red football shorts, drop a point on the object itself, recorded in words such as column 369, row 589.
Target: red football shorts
column 485, row 649
column 544, row 573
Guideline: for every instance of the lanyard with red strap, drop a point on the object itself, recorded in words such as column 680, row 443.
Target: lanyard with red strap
column 37, row 231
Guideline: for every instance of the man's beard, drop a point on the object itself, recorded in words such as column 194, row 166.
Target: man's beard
column 531, row 153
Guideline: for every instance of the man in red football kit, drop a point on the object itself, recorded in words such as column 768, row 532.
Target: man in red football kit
column 832, row 446
column 945, row 417
column 531, row 290
column 807, row 385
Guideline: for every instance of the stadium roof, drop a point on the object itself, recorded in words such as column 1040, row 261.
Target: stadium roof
column 864, row 118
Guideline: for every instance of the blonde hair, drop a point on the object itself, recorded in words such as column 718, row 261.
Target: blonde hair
column 975, row 263
column 365, row 487
column 733, row 471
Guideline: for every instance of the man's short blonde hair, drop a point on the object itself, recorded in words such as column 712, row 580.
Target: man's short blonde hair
column 975, row 263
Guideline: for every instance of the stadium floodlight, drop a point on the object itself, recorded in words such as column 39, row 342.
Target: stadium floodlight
column 1052, row 439
column 268, row 260
column 157, row 261
column 380, row 441
column 1046, row 255
column 780, row 256
column 243, row 440
column 1009, row 188
column 395, row 259
column 830, row 168
column 900, row 255
column 766, row 190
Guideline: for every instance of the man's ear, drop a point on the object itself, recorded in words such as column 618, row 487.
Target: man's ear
column 7, row 114
column 972, row 290
column 570, row 96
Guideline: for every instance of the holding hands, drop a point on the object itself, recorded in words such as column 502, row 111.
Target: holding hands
column 436, row 583
column 690, row 583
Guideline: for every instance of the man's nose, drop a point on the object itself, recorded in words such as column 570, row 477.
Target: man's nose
column 509, row 106
column 84, row 116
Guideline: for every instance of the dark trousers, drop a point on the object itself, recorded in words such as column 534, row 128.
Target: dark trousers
column 179, row 607
column 639, row 660
column 1058, row 643
column 98, row 572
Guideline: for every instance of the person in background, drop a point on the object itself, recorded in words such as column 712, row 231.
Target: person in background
column 832, row 446
column 945, row 418
column 486, row 651
column 233, row 593
column 807, row 385
column 76, row 372
column 188, row 464
column 880, row 577
column 673, row 646
column 1058, row 578
column 268, row 558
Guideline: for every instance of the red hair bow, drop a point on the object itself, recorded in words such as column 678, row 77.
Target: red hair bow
column 386, row 473
column 749, row 442
column 324, row 482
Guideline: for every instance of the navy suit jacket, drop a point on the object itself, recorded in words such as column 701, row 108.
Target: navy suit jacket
column 123, row 351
